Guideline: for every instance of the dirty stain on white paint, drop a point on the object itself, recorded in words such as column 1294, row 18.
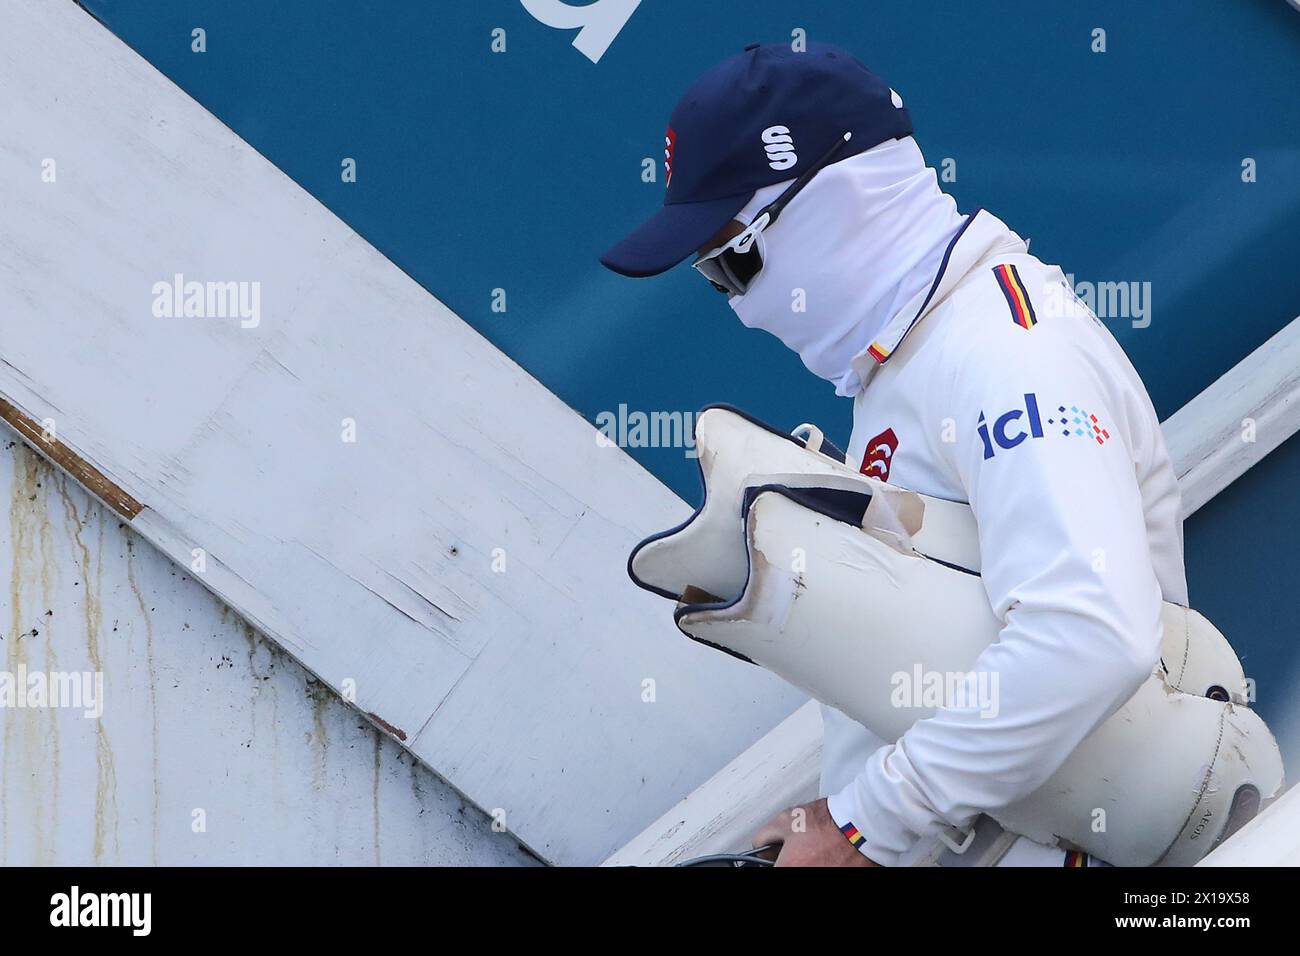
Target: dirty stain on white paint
column 200, row 713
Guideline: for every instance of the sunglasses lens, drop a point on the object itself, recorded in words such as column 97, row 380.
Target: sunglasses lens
column 743, row 266
column 712, row 270
column 731, row 271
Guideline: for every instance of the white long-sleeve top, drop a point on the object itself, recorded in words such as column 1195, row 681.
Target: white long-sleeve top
column 997, row 387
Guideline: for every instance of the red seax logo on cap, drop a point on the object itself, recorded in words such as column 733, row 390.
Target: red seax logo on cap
column 670, row 140
column 880, row 455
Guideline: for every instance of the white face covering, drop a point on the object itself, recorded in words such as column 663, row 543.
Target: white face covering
column 861, row 240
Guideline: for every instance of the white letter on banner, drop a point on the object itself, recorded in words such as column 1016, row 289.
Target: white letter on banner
column 600, row 22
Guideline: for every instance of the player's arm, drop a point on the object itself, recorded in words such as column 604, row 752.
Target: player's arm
column 1067, row 570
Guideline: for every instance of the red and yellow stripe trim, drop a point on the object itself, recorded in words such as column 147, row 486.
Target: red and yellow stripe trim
column 1022, row 310
column 852, row 835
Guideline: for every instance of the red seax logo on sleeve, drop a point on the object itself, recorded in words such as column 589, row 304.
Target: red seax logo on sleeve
column 880, row 455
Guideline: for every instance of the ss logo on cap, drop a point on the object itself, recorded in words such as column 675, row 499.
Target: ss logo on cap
column 780, row 147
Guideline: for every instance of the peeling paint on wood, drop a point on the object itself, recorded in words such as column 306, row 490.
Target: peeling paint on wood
column 86, row 474
column 397, row 732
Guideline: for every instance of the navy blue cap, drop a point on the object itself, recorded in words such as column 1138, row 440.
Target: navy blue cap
column 758, row 118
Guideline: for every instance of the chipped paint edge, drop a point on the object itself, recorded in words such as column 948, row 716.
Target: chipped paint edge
column 63, row 457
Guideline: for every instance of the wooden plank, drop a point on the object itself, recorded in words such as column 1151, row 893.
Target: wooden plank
column 456, row 571
column 1205, row 440
column 1234, row 423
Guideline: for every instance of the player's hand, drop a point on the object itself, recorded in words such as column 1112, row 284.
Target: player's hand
column 809, row 837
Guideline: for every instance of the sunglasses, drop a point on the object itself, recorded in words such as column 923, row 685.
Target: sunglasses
column 733, row 266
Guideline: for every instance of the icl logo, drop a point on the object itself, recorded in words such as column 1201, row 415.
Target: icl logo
column 1004, row 422
column 1071, row 421
column 597, row 23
